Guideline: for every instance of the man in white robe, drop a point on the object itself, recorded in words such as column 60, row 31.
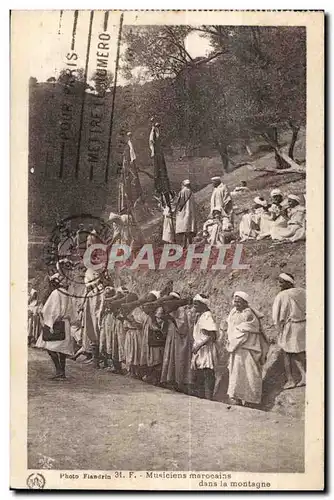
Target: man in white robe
column 247, row 347
column 278, row 213
column 177, row 353
column 256, row 223
column 58, row 308
column 125, row 230
column 240, row 189
column 204, row 350
column 221, row 199
column 151, row 356
column 168, row 231
column 296, row 227
column 213, row 229
column 289, row 314
column 185, row 210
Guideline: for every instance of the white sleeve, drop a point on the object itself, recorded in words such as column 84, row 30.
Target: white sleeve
column 277, row 309
column 51, row 309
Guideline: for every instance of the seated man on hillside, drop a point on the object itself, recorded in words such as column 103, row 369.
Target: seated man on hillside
column 240, row 189
column 214, row 227
column 255, row 224
column 296, row 222
column 265, row 220
column 278, row 213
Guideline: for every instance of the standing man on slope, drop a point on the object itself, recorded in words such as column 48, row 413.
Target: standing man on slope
column 185, row 210
column 289, row 314
column 221, row 200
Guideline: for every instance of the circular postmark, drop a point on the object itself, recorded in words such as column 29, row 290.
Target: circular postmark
column 36, row 481
column 67, row 245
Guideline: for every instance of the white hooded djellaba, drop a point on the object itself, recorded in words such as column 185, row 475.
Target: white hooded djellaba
column 59, row 306
column 247, row 348
column 186, row 211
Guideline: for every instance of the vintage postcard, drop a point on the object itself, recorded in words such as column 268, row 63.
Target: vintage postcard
column 167, row 244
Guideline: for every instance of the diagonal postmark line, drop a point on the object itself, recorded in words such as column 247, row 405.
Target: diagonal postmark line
column 60, row 21
column 114, row 96
column 74, row 31
column 105, row 21
column 84, row 92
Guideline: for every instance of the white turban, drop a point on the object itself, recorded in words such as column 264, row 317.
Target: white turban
column 32, row 291
column 175, row 294
column 276, row 192
column 156, row 293
column 186, row 182
column 294, row 197
column 242, row 295
column 216, row 178
column 199, row 298
column 287, row 278
column 260, row 201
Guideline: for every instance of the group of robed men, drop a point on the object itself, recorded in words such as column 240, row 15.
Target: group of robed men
column 172, row 341
column 283, row 219
column 184, row 209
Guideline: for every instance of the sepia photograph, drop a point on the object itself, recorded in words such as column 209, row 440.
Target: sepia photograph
column 166, row 203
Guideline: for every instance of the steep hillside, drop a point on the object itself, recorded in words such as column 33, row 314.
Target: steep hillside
column 266, row 260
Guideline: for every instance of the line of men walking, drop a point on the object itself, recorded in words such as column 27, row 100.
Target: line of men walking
column 173, row 341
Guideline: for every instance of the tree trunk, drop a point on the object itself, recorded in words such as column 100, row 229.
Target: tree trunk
column 274, row 137
column 222, row 149
column 271, row 136
column 280, row 162
column 295, row 130
column 282, row 159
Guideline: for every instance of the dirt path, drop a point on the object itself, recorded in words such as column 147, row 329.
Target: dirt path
column 97, row 420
